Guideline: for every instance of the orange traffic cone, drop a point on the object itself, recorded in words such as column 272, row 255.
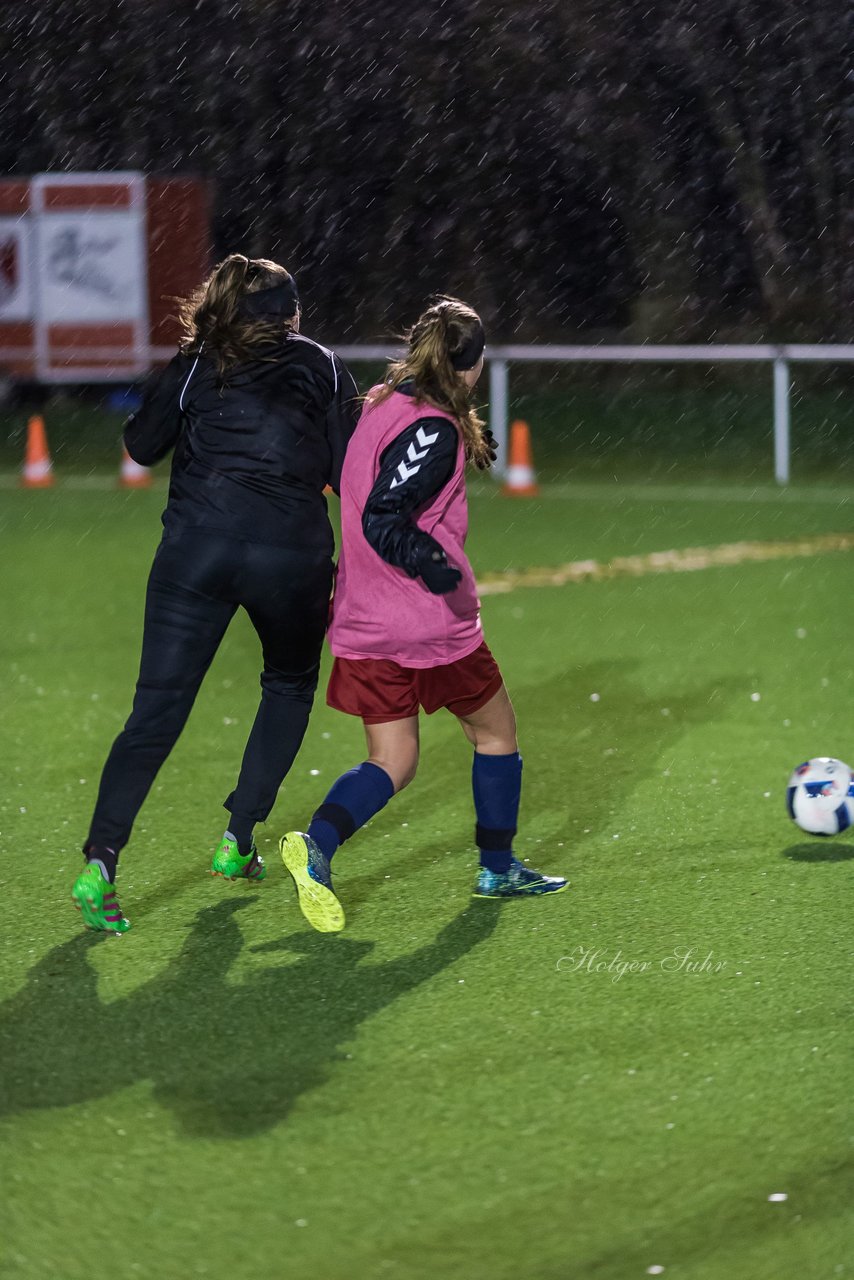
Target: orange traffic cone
column 520, row 481
column 37, row 471
column 133, row 475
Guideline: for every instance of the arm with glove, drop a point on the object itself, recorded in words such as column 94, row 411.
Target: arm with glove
column 413, row 470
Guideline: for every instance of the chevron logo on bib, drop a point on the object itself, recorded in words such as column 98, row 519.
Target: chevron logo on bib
column 414, row 457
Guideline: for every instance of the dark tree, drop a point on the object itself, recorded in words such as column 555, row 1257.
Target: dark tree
column 659, row 170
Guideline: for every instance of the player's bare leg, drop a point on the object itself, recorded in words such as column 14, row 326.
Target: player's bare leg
column 492, row 728
column 394, row 747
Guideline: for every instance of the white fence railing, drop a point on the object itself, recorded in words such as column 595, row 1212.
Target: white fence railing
column 780, row 358
column 499, row 359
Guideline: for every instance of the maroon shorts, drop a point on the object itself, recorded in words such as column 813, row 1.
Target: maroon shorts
column 379, row 690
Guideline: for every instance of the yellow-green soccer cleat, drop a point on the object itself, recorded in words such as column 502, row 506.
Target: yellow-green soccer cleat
column 310, row 869
column 233, row 865
column 95, row 899
column 519, row 882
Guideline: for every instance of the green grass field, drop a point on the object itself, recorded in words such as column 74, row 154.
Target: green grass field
column 450, row 1088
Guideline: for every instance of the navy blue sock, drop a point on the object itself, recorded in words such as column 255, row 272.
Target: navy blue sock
column 352, row 801
column 497, row 786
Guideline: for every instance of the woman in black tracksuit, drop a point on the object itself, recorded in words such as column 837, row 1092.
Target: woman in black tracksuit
column 259, row 417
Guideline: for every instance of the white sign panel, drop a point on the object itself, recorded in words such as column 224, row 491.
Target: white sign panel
column 15, row 291
column 91, row 267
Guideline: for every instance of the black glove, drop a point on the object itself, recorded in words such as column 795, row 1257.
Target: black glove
column 492, row 449
column 437, row 575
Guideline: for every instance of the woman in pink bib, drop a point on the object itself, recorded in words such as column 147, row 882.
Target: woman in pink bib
column 405, row 627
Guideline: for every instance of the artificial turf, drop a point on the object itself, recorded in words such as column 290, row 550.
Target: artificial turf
column 450, row 1088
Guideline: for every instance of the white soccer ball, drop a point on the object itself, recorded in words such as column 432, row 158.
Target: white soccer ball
column 820, row 796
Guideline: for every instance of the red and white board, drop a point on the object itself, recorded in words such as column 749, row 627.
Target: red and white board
column 90, row 265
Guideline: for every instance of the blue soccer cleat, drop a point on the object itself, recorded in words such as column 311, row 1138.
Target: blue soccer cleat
column 519, row 882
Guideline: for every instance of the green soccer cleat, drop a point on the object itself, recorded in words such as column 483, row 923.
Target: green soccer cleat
column 519, row 882
column 230, row 863
column 95, row 899
column 309, row 867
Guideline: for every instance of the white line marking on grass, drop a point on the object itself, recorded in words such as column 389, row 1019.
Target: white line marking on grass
column 573, row 490
column 685, row 561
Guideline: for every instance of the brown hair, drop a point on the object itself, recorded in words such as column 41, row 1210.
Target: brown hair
column 211, row 315
column 437, row 336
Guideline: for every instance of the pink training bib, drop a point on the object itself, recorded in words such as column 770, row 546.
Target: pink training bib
column 378, row 610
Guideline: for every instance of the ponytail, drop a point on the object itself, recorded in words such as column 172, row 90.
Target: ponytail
column 446, row 339
column 219, row 316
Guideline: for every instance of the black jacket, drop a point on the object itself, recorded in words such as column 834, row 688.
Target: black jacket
column 253, row 452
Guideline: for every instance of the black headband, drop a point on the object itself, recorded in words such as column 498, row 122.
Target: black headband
column 280, row 300
column 469, row 355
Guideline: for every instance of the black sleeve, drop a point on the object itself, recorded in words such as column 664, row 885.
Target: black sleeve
column 341, row 418
column 152, row 431
column 413, row 469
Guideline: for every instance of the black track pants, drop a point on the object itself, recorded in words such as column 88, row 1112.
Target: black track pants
column 197, row 582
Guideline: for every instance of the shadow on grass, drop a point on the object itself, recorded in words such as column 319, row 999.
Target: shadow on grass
column 228, row 1059
column 583, row 759
column 820, row 850
column 610, row 735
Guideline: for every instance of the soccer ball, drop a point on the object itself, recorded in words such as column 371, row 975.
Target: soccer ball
column 820, row 796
